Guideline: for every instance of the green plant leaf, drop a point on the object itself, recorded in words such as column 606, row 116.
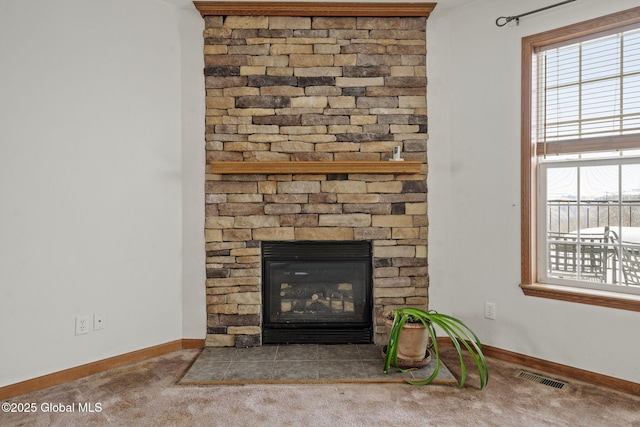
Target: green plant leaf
column 458, row 332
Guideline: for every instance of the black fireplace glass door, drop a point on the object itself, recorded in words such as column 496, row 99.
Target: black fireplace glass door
column 318, row 292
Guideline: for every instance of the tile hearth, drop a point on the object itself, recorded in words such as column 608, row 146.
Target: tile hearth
column 300, row 363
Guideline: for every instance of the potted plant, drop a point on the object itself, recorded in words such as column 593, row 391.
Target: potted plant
column 459, row 333
column 413, row 348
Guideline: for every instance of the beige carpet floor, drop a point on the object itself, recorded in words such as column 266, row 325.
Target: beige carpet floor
column 147, row 394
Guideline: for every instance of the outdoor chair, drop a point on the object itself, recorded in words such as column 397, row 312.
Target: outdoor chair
column 564, row 259
column 630, row 259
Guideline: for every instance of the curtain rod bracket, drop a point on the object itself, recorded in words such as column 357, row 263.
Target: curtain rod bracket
column 516, row 18
column 507, row 19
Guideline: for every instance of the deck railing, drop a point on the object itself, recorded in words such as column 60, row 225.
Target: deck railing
column 595, row 254
column 566, row 216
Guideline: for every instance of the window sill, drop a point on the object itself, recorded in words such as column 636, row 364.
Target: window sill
column 583, row 296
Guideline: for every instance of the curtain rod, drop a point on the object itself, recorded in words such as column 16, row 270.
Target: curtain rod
column 516, row 18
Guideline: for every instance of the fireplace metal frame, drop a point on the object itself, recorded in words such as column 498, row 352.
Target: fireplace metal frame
column 331, row 332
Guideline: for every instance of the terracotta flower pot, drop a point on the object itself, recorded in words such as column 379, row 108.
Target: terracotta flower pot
column 413, row 342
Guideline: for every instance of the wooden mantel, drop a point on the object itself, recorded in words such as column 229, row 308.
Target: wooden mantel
column 224, row 168
column 309, row 8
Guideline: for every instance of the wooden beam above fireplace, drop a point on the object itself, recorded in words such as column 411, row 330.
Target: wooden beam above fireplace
column 225, row 168
column 284, row 8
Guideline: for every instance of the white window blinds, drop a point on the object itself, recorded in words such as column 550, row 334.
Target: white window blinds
column 587, row 94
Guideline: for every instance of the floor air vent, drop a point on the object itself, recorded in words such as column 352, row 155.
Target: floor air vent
column 529, row 376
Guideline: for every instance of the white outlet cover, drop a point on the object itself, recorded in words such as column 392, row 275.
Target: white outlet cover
column 99, row 321
column 490, row 310
column 82, row 324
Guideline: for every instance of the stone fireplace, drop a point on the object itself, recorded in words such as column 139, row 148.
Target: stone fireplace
column 303, row 113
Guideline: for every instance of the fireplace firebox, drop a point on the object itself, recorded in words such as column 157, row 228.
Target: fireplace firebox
column 317, row 292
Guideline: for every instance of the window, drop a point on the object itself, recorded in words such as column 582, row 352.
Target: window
column 581, row 162
column 589, row 218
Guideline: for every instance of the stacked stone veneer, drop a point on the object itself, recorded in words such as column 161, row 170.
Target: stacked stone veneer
column 313, row 89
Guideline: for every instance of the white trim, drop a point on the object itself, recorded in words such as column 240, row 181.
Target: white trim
column 542, row 214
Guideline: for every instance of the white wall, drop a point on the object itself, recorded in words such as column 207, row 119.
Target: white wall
column 194, row 310
column 474, row 191
column 91, row 176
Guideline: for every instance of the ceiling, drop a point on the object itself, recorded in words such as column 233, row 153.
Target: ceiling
column 442, row 4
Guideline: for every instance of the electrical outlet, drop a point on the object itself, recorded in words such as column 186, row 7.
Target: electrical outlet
column 82, row 324
column 99, row 321
column 490, row 310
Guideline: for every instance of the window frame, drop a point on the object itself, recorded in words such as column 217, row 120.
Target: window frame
column 619, row 163
column 529, row 170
